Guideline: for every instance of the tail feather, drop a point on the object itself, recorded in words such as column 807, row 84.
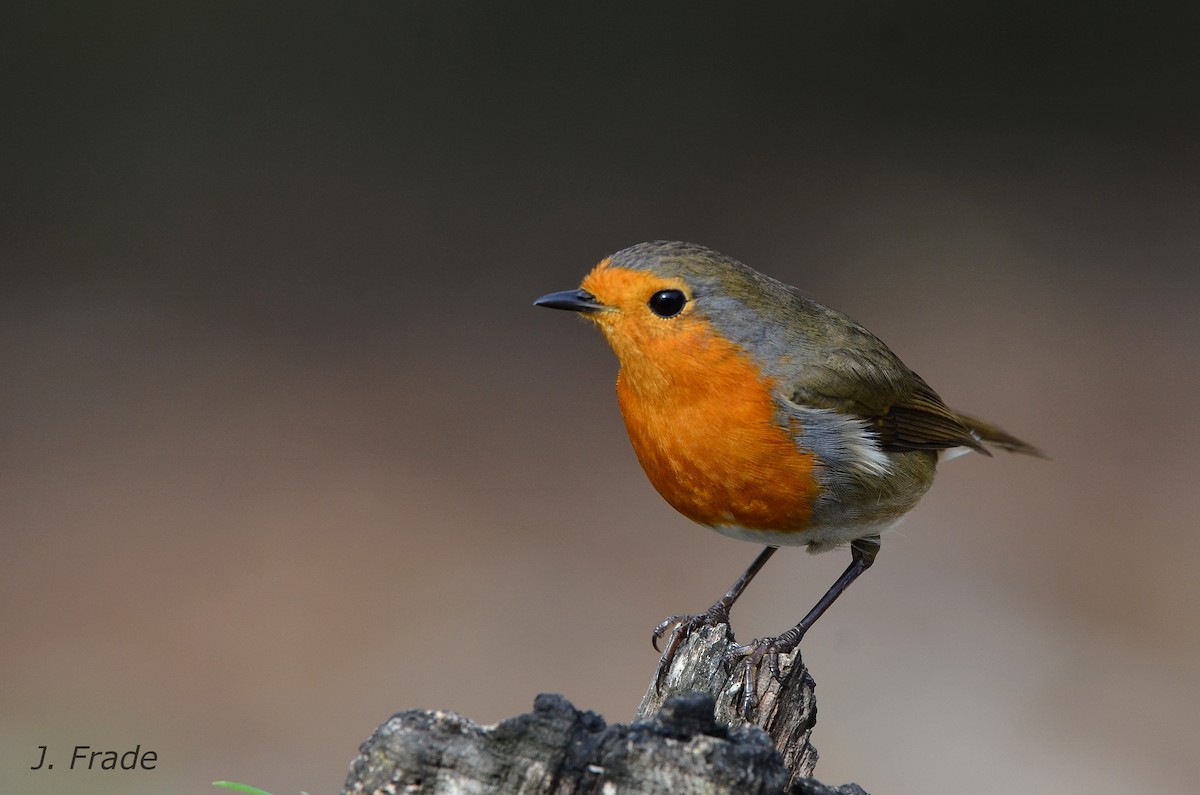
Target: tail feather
column 989, row 433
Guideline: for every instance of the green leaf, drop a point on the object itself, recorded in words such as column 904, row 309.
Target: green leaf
column 241, row 787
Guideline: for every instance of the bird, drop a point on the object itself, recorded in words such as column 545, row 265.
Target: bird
column 765, row 416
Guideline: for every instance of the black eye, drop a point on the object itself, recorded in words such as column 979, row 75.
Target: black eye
column 667, row 303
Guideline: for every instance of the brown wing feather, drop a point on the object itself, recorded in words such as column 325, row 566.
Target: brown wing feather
column 921, row 421
column 868, row 380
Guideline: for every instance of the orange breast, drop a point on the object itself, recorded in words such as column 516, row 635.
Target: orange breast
column 702, row 420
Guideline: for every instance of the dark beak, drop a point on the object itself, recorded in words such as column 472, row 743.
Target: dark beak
column 574, row 300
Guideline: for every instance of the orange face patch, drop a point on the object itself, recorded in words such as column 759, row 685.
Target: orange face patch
column 700, row 415
column 628, row 324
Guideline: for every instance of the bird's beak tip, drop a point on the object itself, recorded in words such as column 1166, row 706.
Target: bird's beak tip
column 572, row 300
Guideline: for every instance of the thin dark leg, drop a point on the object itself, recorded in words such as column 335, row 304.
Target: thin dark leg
column 735, row 591
column 717, row 614
column 863, row 552
column 720, row 611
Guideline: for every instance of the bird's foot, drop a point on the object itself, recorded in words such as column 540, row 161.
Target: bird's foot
column 684, row 626
column 746, row 660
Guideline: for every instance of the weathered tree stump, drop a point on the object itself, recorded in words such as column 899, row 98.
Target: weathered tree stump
column 689, row 738
column 785, row 709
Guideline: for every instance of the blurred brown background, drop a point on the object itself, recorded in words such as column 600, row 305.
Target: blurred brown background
column 284, row 448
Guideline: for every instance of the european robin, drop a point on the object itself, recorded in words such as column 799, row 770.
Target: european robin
column 765, row 416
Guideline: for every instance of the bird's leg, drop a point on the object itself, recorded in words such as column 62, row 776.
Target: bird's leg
column 863, row 553
column 717, row 614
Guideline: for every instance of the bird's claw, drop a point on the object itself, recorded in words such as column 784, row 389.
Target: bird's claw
column 684, row 626
column 664, row 625
column 749, row 658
